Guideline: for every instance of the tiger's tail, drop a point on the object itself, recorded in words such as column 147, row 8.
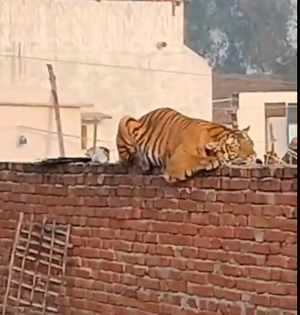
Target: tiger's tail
column 126, row 144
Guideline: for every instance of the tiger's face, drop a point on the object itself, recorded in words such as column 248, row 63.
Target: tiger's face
column 238, row 148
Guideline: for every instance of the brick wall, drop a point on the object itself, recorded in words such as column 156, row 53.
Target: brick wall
column 225, row 243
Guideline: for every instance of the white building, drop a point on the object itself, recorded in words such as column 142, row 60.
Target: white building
column 125, row 57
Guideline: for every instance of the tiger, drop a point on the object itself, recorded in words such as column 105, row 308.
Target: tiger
column 99, row 154
column 180, row 145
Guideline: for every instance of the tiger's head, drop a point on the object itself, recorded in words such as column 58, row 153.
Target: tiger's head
column 236, row 147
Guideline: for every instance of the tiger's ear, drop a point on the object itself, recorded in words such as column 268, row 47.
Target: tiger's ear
column 246, row 130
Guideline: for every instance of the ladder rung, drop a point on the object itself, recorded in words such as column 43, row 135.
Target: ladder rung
column 33, row 304
column 36, row 252
column 43, row 244
column 46, row 238
column 37, row 289
column 31, row 273
column 43, row 262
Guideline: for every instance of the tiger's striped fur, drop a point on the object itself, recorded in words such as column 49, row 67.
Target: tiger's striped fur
column 99, row 154
column 179, row 145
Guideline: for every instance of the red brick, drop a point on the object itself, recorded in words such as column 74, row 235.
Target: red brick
column 171, row 215
column 212, row 207
column 284, row 224
column 227, row 219
column 286, row 199
column 210, row 182
column 231, row 270
column 227, row 294
column 188, row 229
column 274, row 236
column 144, row 247
column 221, row 281
column 195, row 277
column 215, row 255
column 175, row 240
column 231, row 197
column 244, row 233
column 203, row 266
column 259, row 221
column 223, row 232
column 200, row 218
column 206, row 242
column 189, row 252
column 113, row 266
column 165, row 250
column 277, row 261
column 255, row 248
column 187, row 205
column 245, row 259
column 292, row 264
column 260, row 198
column 289, row 276
column 289, row 250
column 260, row 273
column 198, row 195
column 232, row 245
column 260, row 300
column 269, row 184
column 234, row 184
column 201, row 290
column 286, row 302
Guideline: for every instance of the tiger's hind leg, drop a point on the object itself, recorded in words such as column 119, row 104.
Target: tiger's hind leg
column 183, row 165
column 143, row 164
column 125, row 140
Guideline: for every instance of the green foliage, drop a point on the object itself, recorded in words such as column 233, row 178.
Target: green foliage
column 242, row 35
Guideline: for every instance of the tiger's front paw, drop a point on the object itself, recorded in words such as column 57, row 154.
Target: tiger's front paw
column 176, row 177
column 169, row 179
column 212, row 164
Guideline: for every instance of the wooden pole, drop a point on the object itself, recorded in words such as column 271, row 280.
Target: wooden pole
column 175, row 3
column 52, row 80
column 234, row 109
column 273, row 140
column 234, row 121
column 95, row 136
column 11, row 263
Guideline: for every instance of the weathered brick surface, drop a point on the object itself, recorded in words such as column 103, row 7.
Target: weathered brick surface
column 225, row 243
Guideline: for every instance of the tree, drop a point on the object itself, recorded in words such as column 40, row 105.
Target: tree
column 288, row 65
column 239, row 36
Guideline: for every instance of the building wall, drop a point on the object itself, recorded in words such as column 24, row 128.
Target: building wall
column 214, row 245
column 252, row 112
column 224, row 86
column 105, row 53
column 37, row 123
